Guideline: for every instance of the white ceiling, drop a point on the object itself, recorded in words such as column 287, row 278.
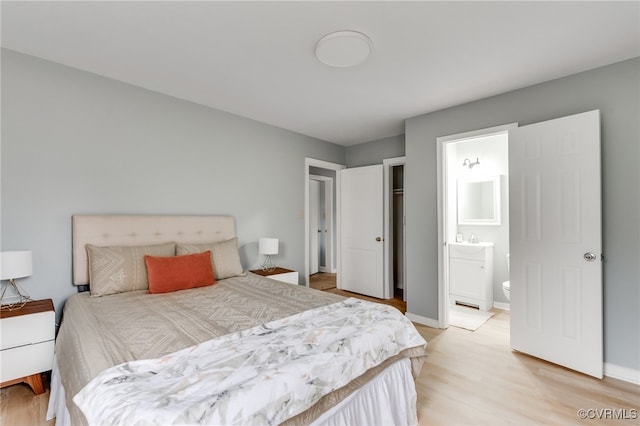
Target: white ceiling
column 256, row 59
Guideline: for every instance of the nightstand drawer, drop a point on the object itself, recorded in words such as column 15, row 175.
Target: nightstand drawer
column 27, row 329
column 26, row 360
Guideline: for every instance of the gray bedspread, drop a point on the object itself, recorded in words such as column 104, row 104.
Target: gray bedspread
column 101, row 332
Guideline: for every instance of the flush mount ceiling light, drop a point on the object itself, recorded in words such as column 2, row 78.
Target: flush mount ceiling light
column 343, row 49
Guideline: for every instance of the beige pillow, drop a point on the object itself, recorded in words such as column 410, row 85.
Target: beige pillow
column 224, row 256
column 121, row 268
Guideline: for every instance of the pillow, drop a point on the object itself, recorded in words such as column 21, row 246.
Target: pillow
column 167, row 274
column 121, row 268
column 224, row 256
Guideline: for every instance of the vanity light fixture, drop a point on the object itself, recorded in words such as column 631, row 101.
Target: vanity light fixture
column 468, row 162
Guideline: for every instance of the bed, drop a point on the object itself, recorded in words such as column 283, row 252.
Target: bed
column 245, row 350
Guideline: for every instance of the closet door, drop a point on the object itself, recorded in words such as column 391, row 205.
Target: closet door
column 362, row 230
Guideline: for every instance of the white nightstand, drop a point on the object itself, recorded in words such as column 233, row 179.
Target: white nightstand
column 279, row 274
column 27, row 338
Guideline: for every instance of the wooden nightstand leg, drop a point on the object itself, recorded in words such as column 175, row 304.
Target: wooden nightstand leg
column 34, row 381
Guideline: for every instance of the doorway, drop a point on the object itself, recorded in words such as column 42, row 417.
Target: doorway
column 394, row 229
column 474, row 224
column 321, row 219
column 322, row 204
column 322, row 272
column 373, row 241
column 319, row 174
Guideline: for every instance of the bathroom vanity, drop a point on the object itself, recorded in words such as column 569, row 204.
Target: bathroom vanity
column 471, row 274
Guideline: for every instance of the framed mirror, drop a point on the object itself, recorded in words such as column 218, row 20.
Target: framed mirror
column 479, row 201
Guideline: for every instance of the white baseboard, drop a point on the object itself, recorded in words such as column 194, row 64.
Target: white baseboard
column 503, row 306
column 323, row 269
column 622, row 373
column 429, row 322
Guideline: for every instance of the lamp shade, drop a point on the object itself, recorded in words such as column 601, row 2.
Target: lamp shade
column 15, row 264
column 268, row 246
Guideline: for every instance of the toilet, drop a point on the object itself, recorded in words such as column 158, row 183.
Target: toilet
column 506, row 285
column 506, row 289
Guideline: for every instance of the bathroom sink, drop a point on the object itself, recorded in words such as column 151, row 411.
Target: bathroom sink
column 466, row 243
column 469, row 251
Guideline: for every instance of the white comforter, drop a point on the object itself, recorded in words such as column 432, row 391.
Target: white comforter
column 263, row 375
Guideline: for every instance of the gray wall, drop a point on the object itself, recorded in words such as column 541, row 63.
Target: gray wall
column 74, row 142
column 373, row 152
column 614, row 90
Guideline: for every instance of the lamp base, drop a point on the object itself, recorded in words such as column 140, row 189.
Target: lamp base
column 268, row 264
column 14, row 305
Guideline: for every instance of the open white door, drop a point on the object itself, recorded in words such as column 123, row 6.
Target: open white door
column 362, row 230
column 555, row 241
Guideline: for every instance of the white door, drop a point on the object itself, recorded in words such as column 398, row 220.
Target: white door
column 555, row 241
column 314, row 197
column 362, row 230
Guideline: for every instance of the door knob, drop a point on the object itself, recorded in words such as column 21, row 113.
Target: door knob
column 378, row 239
column 589, row 257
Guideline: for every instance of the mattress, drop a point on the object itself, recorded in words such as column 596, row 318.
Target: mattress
column 98, row 333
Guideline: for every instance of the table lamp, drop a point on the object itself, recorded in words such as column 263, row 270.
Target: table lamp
column 268, row 247
column 14, row 264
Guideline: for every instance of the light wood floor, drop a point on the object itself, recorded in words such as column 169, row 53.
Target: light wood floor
column 473, row 378
column 322, row 281
column 20, row 407
column 469, row 378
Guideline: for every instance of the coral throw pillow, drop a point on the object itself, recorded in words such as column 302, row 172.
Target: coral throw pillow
column 167, row 274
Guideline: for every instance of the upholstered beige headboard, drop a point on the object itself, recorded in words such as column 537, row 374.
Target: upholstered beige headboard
column 134, row 230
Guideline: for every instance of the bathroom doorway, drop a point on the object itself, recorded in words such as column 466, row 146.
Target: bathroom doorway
column 474, row 224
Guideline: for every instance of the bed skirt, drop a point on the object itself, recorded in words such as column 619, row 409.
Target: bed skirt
column 394, row 385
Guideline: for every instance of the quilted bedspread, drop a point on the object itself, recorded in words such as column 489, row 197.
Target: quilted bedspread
column 262, row 375
column 98, row 333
